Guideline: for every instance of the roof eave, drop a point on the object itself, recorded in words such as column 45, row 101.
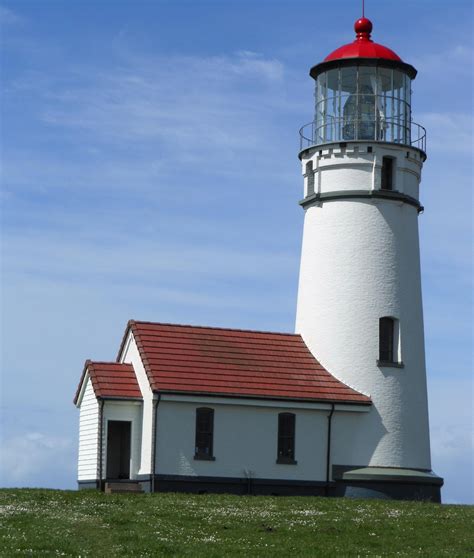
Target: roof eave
column 120, row 398
column 367, row 402
column 362, row 61
column 79, row 390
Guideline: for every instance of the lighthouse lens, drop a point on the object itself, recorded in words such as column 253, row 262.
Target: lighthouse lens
column 359, row 109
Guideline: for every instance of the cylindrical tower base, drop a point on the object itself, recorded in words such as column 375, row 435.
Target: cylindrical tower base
column 360, row 263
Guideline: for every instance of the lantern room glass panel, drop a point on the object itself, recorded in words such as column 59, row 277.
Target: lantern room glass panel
column 332, row 107
column 321, row 108
column 348, row 91
column 363, row 103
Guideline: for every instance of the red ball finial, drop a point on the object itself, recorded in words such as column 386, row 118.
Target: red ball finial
column 363, row 28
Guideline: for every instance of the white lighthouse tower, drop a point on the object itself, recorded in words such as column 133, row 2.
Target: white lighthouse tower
column 359, row 298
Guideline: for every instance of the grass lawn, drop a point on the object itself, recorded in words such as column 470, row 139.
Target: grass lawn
column 88, row 523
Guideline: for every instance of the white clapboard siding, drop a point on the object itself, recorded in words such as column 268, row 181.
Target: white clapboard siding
column 88, row 434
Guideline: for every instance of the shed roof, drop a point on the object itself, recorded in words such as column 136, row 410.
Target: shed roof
column 111, row 380
column 235, row 363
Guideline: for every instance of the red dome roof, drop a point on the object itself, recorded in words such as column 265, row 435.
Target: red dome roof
column 363, row 46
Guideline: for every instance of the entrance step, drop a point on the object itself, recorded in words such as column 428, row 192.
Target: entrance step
column 123, row 488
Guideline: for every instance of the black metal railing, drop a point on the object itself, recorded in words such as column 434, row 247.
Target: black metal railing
column 391, row 130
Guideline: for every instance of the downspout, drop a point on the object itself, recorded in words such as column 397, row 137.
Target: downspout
column 153, row 442
column 328, row 455
column 101, row 441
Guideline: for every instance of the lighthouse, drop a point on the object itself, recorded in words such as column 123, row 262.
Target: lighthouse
column 359, row 307
column 338, row 408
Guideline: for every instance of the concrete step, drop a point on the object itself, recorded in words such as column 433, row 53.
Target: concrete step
column 123, row 488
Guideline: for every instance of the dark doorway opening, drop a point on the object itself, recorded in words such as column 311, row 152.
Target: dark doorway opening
column 118, row 449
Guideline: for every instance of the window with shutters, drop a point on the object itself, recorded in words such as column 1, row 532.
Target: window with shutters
column 204, row 434
column 286, row 439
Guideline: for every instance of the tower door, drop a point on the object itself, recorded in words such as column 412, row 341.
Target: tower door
column 118, row 449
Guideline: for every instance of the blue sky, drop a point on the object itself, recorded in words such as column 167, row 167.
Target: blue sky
column 150, row 171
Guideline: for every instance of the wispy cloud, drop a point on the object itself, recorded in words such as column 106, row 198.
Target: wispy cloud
column 151, row 122
column 449, row 132
column 9, row 17
column 451, row 59
column 212, row 102
column 36, row 459
column 131, row 257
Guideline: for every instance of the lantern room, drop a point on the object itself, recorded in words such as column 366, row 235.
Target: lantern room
column 363, row 93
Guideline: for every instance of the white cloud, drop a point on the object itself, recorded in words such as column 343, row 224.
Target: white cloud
column 150, row 121
column 449, row 132
column 454, row 60
column 35, row 458
column 253, row 63
column 127, row 256
column 179, row 100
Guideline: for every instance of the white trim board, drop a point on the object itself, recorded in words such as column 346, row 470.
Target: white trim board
column 280, row 404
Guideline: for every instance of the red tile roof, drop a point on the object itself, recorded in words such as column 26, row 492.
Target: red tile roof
column 238, row 363
column 111, row 380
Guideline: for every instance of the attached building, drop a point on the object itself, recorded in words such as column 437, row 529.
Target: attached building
column 197, row 408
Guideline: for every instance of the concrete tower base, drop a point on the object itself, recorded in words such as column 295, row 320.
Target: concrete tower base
column 387, row 483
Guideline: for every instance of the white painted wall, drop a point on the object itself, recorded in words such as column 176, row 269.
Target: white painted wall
column 360, row 261
column 130, row 354
column 353, row 168
column 127, row 411
column 281, row 405
column 245, row 437
column 88, row 434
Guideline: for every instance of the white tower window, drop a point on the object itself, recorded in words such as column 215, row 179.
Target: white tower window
column 309, row 178
column 389, row 342
column 387, row 173
column 386, row 339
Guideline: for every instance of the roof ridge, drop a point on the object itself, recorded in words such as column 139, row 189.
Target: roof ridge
column 219, row 328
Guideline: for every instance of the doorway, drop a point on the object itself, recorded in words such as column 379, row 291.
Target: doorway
column 118, row 449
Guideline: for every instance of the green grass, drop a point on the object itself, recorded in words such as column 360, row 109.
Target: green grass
column 88, row 523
